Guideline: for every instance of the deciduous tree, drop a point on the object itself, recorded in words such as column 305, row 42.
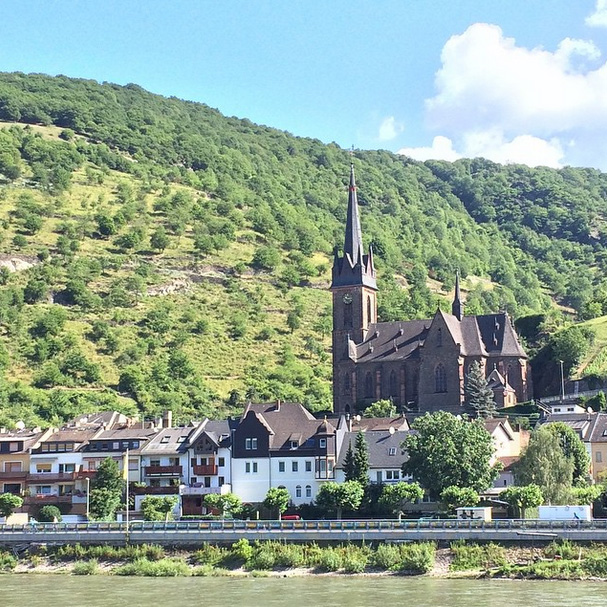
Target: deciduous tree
column 340, row 496
column 277, row 499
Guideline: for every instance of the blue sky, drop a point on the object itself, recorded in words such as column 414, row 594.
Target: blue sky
column 512, row 80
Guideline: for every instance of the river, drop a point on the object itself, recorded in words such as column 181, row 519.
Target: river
column 19, row 590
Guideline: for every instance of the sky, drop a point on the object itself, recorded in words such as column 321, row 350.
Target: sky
column 512, row 80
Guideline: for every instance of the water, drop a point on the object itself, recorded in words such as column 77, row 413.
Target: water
column 326, row 591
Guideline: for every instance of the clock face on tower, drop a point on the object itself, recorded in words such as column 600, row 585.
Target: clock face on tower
column 347, row 298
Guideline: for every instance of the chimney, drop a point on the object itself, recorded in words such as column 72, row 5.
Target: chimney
column 167, row 419
column 278, row 405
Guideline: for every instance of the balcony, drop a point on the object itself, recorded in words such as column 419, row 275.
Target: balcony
column 163, row 471
column 5, row 476
column 195, row 490
column 51, row 477
column 205, row 470
column 43, row 499
column 86, row 474
column 170, row 490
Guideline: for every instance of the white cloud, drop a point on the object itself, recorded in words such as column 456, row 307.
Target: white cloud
column 441, row 149
column 599, row 17
column 516, row 104
column 390, row 128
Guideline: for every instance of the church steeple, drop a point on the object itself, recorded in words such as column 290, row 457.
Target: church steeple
column 353, row 245
column 354, row 268
column 457, row 307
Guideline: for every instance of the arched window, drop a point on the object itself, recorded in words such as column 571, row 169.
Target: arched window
column 298, row 491
column 308, row 491
column 369, row 385
column 347, row 383
column 440, row 378
column 369, row 310
column 393, row 384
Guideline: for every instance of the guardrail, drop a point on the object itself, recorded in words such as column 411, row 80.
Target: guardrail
column 530, row 525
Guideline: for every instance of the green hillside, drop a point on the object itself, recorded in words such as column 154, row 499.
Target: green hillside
column 172, row 257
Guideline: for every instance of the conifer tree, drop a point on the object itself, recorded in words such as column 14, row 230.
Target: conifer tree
column 361, row 460
column 479, row 396
column 349, row 464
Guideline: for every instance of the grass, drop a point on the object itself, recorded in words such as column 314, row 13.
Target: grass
column 595, row 362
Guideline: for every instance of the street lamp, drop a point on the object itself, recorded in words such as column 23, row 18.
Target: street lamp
column 88, row 499
column 562, row 382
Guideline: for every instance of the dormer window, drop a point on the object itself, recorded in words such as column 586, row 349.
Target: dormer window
column 392, row 451
column 322, row 443
column 293, row 444
column 250, row 444
column 165, row 439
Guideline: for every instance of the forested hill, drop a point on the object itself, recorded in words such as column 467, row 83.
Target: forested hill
column 187, row 254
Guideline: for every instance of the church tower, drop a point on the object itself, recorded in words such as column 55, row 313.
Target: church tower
column 457, row 307
column 354, row 290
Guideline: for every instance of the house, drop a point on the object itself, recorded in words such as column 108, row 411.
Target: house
column 598, row 447
column 421, row 365
column 508, row 444
column 284, row 445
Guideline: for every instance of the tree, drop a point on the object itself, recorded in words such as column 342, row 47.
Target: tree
column 445, row 450
column 361, row 460
column 478, row 394
column 340, row 496
column 396, row 496
column 159, row 240
column 521, row 498
column 544, row 464
column 277, row 498
column 458, row 497
column 573, row 448
column 228, row 503
column 586, row 495
column 49, row 514
column 106, row 490
column 9, row 503
column 349, row 465
column 380, row 408
column 158, row 508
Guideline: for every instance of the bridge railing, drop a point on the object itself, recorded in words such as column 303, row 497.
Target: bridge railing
column 321, row 525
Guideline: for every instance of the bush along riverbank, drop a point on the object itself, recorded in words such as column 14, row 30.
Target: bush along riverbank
column 559, row 560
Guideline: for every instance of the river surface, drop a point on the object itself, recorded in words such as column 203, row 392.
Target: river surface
column 326, row 591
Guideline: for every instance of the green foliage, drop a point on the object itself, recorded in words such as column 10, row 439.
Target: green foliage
column 158, row 508
column 9, row 503
column 380, row 408
column 544, row 464
column 361, row 460
column 454, row 497
column 49, row 514
column 478, row 395
column 448, row 451
column 277, row 499
column 340, row 496
column 475, row 556
column 90, row 567
column 226, row 503
column 168, row 567
column 106, row 490
column 395, row 497
column 522, row 498
column 573, row 449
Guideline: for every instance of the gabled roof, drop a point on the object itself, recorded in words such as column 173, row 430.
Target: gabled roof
column 598, row 432
column 387, row 341
column 168, row 441
column 380, row 423
column 284, row 420
column 384, row 448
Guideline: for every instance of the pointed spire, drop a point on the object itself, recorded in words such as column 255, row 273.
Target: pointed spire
column 353, row 245
column 457, row 307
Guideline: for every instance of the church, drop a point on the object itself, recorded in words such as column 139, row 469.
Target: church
column 421, row 365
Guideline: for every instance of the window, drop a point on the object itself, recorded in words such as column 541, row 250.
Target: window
column 393, row 384
column 293, row 444
column 308, row 491
column 247, row 467
column 378, row 477
column 63, row 468
column 222, row 480
column 43, row 468
column 392, row 475
column 43, row 489
column 368, row 385
column 598, row 458
column 193, row 461
column 254, row 467
column 369, row 310
column 13, row 447
column 116, row 446
column 439, row 337
column 298, row 491
column 294, row 466
column 125, row 444
column 165, row 439
column 207, row 481
column 14, row 488
column 281, row 466
column 250, row 444
column 221, row 462
column 154, row 462
column 135, row 444
column 392, row 451
column 322, row 443
column 181, row 439
column 12, row 467
column 440, row 378
column 308, row 466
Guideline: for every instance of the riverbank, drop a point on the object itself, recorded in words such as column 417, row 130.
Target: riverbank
column 562, row 560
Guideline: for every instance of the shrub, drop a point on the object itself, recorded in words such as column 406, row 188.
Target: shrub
column 387, row 556
column 85, row 567
column 563, row 549
column 49, row 514
column 168, row 567
column 417, row 558
column 211, row 555
column 329, row 559
column 473, row 556
column 242, row 551
column 7, row 561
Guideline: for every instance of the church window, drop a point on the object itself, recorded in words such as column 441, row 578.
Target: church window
column 369, row 385
column 440, row 378
column 348, row 317
column 347, row 383
column 509, row 373
column 393, row 384
column 369, row 310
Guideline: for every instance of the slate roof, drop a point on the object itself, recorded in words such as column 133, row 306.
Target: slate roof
column 169, row 440
column 379, row 444
column 598, row 432
column 380, row 423
column 582, row 423
column 283, row 419
column 486, row 335
column 29, row 438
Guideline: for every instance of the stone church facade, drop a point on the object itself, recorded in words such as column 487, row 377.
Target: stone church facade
column 420, row 365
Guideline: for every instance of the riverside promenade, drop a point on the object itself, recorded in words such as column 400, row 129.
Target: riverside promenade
column 184, row 533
